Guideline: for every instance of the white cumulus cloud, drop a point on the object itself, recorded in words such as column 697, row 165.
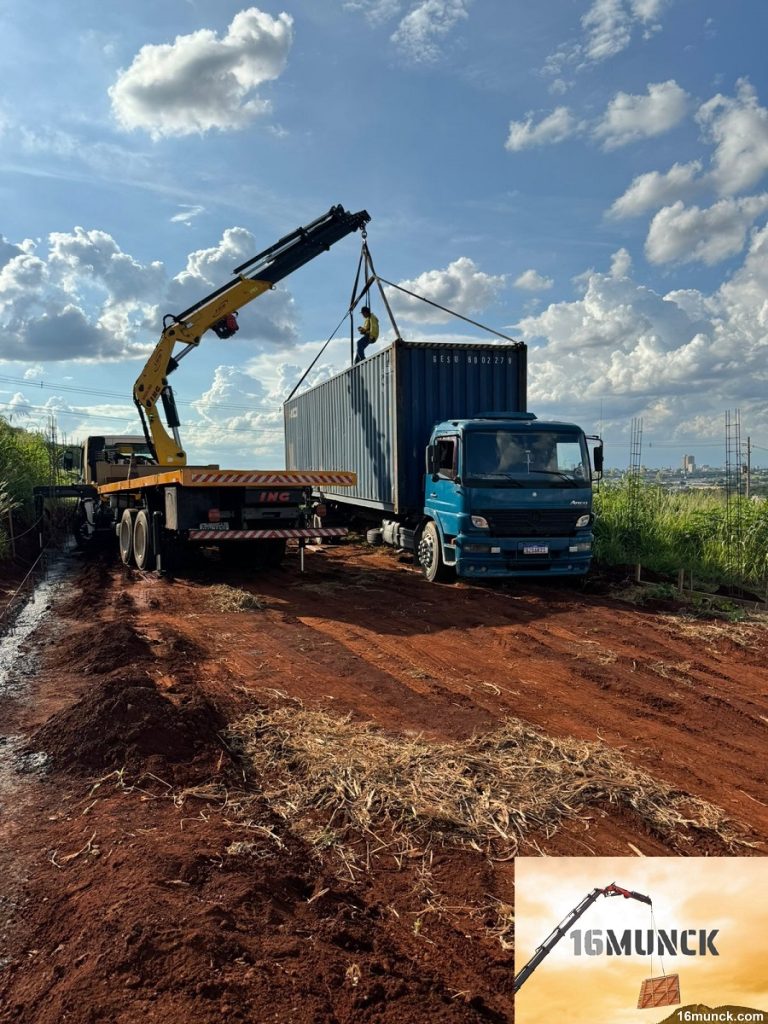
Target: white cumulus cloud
column 738, row 128
column 271, row 318
column 553, row 128
column 8, row 250
column 621, row 264
column 689, row 234
column 79, row 296
column 609, row 27
column 610, row 24
column 423, row 29
column 678, row 360
column 202, row 82
column 533, row 281
column 654, row 189
column 629, row 117
column 461, row 286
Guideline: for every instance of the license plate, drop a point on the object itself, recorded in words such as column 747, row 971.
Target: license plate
column 535, row 549
column 214, row 526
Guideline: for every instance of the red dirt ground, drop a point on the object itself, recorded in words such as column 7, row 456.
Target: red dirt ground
column 124, row 900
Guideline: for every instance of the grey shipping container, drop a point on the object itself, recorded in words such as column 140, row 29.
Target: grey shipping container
column 376, row 418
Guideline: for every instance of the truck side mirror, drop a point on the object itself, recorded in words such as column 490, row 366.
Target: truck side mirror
column 598, row 459
column 432, row 460
column 67, row 461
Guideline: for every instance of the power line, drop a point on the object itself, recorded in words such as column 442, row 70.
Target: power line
column 246, row 408
column 104, row 394
column 122, row 419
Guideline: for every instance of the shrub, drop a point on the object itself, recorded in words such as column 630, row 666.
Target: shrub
column 24, row 463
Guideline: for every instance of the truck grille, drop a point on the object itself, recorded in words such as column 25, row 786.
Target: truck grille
column 541, row 522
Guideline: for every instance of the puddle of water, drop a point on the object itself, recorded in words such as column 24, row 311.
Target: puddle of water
column 17, row 761
column 15, row 663
column 18, row 767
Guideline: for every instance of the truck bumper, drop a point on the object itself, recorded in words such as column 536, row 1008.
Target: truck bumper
column 504, row 556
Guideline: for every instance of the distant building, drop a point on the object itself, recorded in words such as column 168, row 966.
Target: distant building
column 689, row 464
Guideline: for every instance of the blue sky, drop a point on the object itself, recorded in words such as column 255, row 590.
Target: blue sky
column 590, row 176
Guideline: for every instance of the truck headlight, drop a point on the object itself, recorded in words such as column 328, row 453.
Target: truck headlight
column 480, row 522
column 583, row 521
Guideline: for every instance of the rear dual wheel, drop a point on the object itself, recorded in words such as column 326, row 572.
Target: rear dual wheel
column 125, row 536
column 135, row 538
column 143, row 541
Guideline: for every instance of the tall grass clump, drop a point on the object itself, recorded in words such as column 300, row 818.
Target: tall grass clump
column 24, row 463
column 666, row 531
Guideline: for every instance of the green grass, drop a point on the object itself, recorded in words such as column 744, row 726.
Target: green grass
column 25, row 461
column 666, row 531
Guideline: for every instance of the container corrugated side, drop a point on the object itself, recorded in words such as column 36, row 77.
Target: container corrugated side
column 376, row 418
column 348, row 422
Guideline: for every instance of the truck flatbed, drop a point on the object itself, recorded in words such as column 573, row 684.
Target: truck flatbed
column 191, row 477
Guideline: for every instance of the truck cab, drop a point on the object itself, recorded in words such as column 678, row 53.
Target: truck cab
column 507, row 494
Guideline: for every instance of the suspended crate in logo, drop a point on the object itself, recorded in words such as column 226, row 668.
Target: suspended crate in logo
column 659, row 992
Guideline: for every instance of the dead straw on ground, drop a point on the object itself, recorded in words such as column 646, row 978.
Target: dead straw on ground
column 335, row 779
column 223, row 598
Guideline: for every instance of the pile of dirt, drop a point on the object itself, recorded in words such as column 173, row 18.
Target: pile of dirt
column 103, row 648
column 123, row 723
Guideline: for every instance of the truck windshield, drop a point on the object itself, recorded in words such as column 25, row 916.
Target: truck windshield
column 540, row 458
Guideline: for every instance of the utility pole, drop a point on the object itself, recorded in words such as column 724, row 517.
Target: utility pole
column 748, row 468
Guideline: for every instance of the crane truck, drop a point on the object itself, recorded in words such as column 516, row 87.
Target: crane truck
column 570, row 919
column 140, row 487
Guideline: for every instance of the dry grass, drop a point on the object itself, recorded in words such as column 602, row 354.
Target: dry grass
column 336, row 780
column 223, row 598
column 746, row 635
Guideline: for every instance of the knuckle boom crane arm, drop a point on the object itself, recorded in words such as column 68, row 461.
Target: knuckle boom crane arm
column 551, row 941
column 216, row 312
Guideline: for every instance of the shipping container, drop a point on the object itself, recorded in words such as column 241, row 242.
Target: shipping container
column 375, row 418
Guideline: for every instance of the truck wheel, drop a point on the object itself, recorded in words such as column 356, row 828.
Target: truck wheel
column 430, row 555
column 375, row 537
column 80, row 527
column 125, row 536
column 143, row 547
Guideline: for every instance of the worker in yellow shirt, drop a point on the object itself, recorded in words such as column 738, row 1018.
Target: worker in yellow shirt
column 369, row 333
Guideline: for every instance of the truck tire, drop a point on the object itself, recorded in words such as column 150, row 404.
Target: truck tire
column 143, row 542
column 375, row 537
column 430, row 555
column 125, row 536
column 80, row 527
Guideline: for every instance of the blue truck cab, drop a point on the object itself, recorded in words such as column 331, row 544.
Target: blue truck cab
column 507, row 494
